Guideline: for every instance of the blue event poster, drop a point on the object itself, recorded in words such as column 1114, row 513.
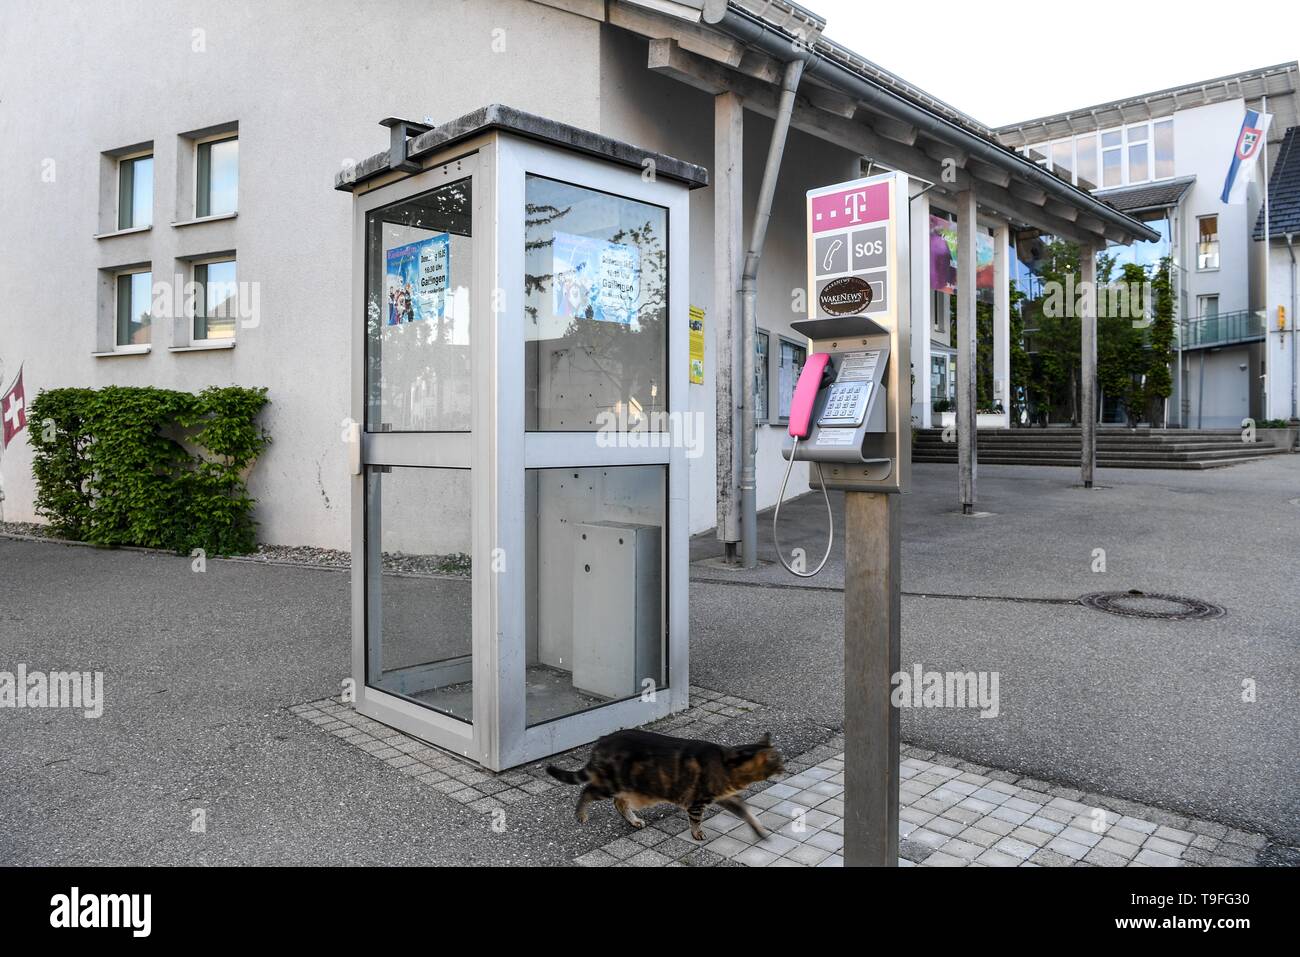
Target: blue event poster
column 595, row 279
column 416, row 277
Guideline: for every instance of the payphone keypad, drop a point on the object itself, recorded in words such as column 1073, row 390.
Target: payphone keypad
column 846, row 405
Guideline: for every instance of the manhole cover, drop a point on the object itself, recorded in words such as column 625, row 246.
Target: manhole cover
column 1139, row 604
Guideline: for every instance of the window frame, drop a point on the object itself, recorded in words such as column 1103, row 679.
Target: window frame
column 782, row 340
column 202, row 144
column 201, row 300
column 118, row 276
column 1218, row 245
column 133, row 158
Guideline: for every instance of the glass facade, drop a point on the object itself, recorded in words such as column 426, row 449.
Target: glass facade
column 595, row 309
column 419, row 268
column 595, row 597
column 419, row 545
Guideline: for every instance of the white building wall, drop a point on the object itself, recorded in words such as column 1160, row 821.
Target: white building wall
column 1228, row 383
column 1203, row 141
column 307, row 83
column 1280, row 361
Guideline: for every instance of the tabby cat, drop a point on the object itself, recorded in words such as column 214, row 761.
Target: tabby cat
column 640, row 769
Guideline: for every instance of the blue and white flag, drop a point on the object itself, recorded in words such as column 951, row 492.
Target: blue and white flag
column 1250, row 143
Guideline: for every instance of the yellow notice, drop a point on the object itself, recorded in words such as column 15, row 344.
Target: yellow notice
column 697, row 345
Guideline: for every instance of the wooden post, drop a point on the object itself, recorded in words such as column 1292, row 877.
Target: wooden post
column 871, row 658
column 1002, row 385
column 728, row 263
column 967, row 454
column 1088, row 360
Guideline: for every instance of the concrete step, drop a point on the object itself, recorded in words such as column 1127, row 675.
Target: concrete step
column 936, row 442
column 1230, row 448
column 1073, row 462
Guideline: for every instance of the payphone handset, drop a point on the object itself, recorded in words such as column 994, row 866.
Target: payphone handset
column 838, row 401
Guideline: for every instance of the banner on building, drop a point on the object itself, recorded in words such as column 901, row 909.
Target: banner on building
column 417, row 277
column 697, row 345
column 595, row 279
column 943, row 257
column 13, row 409
column 1241, row 170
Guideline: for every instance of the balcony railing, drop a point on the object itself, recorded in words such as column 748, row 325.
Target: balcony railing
column 1224, row 329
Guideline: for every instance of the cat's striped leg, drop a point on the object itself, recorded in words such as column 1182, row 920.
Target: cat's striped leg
column 739, row 808
column 626, row 810
column 589, row 793
column 696, row 814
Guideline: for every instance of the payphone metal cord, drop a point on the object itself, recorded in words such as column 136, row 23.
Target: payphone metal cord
column 830, row 518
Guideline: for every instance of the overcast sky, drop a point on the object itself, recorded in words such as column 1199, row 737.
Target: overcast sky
column 1001, row 63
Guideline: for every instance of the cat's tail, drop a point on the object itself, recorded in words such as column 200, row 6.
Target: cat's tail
column 579, row 776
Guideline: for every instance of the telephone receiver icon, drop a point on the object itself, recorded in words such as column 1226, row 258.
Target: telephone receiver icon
column 831, row 250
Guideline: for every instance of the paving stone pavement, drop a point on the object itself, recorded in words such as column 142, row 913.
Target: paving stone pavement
column 951, row 813
column 482, row 790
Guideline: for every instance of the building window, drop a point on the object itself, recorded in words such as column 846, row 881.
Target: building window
column 791, row 361
column 1138, row 153
column 761, row 340
column 217, row 184
column 1112, row 159
column 134, row 308
column 938, row 379
column 1164, row 149
column 1063, row 159
column 216, row 300
column 135, row 191
column 1207, row 245
column 1207, row 307
column 1139, row 164
column 1086, row 148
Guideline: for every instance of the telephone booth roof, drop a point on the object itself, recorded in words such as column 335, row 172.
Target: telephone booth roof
column 496, row 117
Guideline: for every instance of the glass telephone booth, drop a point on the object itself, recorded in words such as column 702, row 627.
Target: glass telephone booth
column 519, row 506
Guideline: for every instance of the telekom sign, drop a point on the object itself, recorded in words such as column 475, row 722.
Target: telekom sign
column 852, row 243
column 850, row 207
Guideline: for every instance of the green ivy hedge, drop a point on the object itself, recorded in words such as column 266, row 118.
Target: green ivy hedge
column 112, row 466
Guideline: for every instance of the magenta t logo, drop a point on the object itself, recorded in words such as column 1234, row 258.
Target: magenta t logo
column 850, row 207
column 855, row 206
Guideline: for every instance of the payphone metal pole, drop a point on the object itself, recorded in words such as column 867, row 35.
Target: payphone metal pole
column 871, row 657
column 858, row 431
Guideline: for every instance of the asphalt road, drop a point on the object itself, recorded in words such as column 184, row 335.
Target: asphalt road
column 1147, row 710
column 200, row 667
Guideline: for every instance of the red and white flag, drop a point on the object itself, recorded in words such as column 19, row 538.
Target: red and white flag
column 13, row 409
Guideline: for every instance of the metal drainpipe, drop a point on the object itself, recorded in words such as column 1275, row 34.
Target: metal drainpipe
column 748, row 313
column 1295, row 347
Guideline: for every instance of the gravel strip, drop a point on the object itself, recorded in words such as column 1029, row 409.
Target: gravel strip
column 453, row 565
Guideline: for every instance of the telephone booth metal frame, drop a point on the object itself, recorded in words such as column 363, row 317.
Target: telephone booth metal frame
column 496, row 152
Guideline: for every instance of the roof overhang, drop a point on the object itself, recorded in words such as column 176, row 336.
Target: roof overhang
column 411, row 141
column 1278, row 82
column 847, row 100
column 1147, row 197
